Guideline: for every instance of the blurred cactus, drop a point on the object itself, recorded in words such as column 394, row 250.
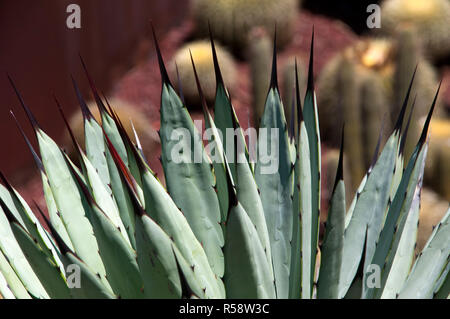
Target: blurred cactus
column 130, row 116
column 365, row 83
column 432, row 209
column 232, row 20
column 437, row 168
column 260, row 52
column 202, row 55
column 430, row 20
column 289, row 84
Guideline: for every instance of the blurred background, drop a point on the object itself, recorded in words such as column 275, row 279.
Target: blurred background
column 364, row 59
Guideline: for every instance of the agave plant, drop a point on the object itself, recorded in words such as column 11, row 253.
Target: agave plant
column 218, row 229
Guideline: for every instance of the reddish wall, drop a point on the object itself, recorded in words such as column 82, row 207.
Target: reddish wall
column 40, row 53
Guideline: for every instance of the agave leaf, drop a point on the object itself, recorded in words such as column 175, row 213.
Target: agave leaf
column 48, row 195
column 312, row 127
column 160, row 207
column 275, row 180
column 16, row 258
column 351, row 209
column 68, row 199
column 400, row 258
column 248, row 196
column 90, row 283
column 300, row 273
column 189, row 177
column 275, row 185
column 333, row 242
column 43, row 265
column 430, row 264
column 108, row 123
column 191, row 281
column 370, row 206
column 401, row 204
column 117, row 255
column 49, row 272
column 12, row 283
column 94, row 140
column 98, row 190
column 156, row 260
column 248, row 273
column 224, row 114
column 216, row 150
column 163, row 210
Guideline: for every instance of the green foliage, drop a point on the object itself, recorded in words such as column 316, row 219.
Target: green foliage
column 223, row 229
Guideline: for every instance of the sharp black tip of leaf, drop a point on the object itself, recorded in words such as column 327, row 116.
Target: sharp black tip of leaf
column 405, row 132
column 94, row 90
column 273, row 77
column 200, row 91
column 310, row 85
column 297, row 97
column 423, row 136
column 162, row 68
column 31, row 118
column 340, row 168
column 72, row 136
column 27, row 141
column 292, row 118
column 84, row 108
column 399, row 123
column 217, row 71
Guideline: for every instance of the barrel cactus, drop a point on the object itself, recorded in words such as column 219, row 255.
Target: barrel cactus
column 428, row 18
column 232, row 20
column 365, row 84
column 225, row 225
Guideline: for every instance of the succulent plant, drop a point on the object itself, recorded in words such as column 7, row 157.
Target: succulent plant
column 232, row 20
column 227, row 228
column 365, row 83
column 201, row 52
column 429, row 19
